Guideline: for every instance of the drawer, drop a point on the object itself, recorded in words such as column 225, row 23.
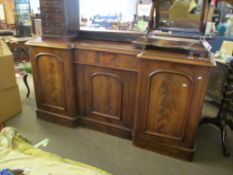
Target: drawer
column 55, row 24
column 51, row 17
column 107, row 59
column 51, row 31
column 51, row 4
column 52, row 10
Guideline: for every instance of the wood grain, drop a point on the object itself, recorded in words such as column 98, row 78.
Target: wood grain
column 167, row 97
column 53, row 76
column 170, row 100
column 110, row 96
column 52, row 87
column 106, row 95
column 155, row 96
column 106, row 59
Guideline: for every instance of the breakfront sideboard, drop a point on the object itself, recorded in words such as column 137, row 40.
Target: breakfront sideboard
column 153, row 97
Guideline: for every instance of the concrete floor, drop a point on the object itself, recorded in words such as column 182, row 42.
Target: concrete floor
column 118, row 156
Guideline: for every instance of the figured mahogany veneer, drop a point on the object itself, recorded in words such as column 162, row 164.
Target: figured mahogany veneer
column 171, row 96
column 54, row 85
column 152, row 96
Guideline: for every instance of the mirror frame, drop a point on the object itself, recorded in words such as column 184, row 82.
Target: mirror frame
column 202, row 25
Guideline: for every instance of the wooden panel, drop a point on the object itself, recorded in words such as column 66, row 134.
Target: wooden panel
column 80, row 89
column 106, row 95
column 109, row 100
column 105, row 59
column 170, row 100
column 52, row 86
column 53, row 76
column 168, row 95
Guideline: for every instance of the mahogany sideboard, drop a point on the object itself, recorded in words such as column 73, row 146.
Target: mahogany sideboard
column 153, row 97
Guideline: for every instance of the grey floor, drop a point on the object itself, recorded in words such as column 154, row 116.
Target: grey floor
column 119, row 156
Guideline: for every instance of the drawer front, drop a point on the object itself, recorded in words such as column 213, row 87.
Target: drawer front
column 52, row 10
column 51, row 31
column 49, row 15
column 51, row 4
column 58, row 18
column 51, row 25
column 107, row 59
column 48, row 18
column 52, row 15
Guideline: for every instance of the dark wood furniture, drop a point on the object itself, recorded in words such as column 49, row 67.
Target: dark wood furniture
column 18, row 48
column 151, row 96
column 107, row 84
column 60, row 18
column 53, row 75
column 154, row 97
column 221, row 121
column 171, row 92
column 20, row 51
column 218, row 79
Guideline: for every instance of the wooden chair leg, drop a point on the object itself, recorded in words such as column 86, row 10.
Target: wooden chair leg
column 26, row 84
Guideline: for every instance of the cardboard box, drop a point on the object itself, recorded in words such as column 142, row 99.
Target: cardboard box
column 10, row 103
column 7, row 72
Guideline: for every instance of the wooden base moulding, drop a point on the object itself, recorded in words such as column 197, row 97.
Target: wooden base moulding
column 57, row 118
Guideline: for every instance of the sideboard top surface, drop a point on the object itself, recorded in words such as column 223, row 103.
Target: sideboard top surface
column 124, row 48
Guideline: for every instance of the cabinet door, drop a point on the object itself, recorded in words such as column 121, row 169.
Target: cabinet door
column 169, row 106
column 53, row 79
column 110, row 97
column 167, row 99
